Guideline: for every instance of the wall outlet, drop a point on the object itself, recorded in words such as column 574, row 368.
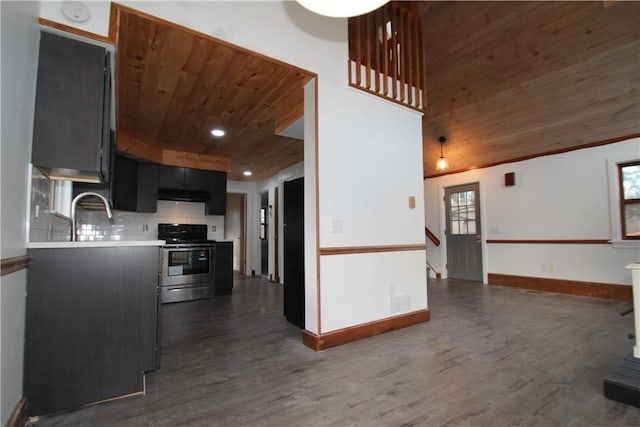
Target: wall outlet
column 213, row 228
column 547, row 268
column 145, row 227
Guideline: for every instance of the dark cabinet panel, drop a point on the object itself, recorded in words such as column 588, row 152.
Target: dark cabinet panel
column 170, row 177
column 125, row 188
column 71, row 119
column 224, row 268
column 183, row 178
column 217, row 203
column 135, row 186
column 294, row 310
column 147, row 187
column 196, row 179
column 91, row 325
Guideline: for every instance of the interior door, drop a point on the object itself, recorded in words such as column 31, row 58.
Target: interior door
column 264, row 233
column 464, row 236
column 294, row 251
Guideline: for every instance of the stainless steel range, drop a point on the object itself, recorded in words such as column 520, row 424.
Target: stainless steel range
column 187, row 262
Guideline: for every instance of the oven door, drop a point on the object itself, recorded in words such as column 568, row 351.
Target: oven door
column 186, row 265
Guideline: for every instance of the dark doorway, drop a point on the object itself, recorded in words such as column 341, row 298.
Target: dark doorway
column 294, row 251
column 464, row 247
column 264, row 233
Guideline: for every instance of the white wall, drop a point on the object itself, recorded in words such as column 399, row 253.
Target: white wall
column 19, row 47
column 563, row 197
column 369, row 195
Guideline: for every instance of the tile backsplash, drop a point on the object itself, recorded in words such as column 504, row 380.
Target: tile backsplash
column 94, row 225
column 46, row 225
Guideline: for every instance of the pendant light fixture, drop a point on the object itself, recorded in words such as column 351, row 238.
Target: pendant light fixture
column 442, row 163
column 342, row 8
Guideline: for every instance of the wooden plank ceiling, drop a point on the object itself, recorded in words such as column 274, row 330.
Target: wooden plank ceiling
column 508, row 80
column 174, row 85
column 505, row 80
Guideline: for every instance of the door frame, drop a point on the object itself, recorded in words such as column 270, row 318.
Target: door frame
column 483, row 224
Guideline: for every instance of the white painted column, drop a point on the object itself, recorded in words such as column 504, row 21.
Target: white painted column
column 635, row 274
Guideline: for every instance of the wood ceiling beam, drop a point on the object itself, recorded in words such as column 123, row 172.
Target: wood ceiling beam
column 136, row 147
column 131, row 145
column 194, row 160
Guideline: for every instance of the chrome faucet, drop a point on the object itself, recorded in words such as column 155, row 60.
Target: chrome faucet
column 107, row 209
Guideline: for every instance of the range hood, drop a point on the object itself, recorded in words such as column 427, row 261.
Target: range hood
column 179, row 195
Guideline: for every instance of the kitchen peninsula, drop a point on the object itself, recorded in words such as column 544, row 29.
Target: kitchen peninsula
column 91, row 322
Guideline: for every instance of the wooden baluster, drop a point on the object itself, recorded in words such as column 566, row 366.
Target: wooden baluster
column 394, row 52
column 376, row 32
column 358, row 51
column 367, row 19
column 385, row 49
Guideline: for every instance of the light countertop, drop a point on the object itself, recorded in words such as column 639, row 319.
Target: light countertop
column 94, row 244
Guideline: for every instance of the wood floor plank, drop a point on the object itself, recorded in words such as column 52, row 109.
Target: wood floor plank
column 490, row 356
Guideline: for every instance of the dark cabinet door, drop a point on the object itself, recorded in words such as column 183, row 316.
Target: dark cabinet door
column 90, row 326
column 183, row 178
column 170, row 177
column 135, row 186
column 294, row 251
column 147, row 187
column 125, row 185
column 196, row 179
column 217, row 203
column 71, row 126
column 224, row 268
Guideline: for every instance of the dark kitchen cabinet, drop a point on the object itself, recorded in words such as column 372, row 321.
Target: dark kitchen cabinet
column 135, row 185
column 91, row 325
column 72, row 110
column 196, row 179
column 223, row 268
column 183, row 178
column 217, row 203
column 294, row 272
column 147, row 187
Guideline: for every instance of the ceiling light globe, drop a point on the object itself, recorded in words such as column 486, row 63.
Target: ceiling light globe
column 247, row 173
column 342, row 8
column 217, row 132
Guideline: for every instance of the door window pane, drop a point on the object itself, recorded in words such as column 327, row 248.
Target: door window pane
column 463, row 213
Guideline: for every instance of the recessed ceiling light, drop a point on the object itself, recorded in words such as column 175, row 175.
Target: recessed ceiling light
column 247, row 173
column 217, row 132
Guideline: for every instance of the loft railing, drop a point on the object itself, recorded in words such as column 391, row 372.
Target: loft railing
column 386, row 56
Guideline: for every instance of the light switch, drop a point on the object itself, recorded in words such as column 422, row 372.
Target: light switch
column 335, row 226
column 412, row 202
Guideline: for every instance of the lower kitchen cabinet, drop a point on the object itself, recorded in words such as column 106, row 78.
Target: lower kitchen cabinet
column 91, row 325
column 224, row 268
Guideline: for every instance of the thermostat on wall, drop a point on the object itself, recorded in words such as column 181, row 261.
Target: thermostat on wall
column 75, row 11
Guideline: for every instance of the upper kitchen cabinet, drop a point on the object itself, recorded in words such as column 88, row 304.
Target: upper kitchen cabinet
column 72, row 110
column 217, row 203
column 183, row 178
column 135, row 186
column 194, row 185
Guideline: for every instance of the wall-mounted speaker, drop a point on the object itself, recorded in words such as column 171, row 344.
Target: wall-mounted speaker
column 509, row 179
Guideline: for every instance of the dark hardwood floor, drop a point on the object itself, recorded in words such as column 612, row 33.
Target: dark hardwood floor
column 490, row 356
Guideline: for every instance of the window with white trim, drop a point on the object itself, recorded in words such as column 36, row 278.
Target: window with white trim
column 629, row 185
